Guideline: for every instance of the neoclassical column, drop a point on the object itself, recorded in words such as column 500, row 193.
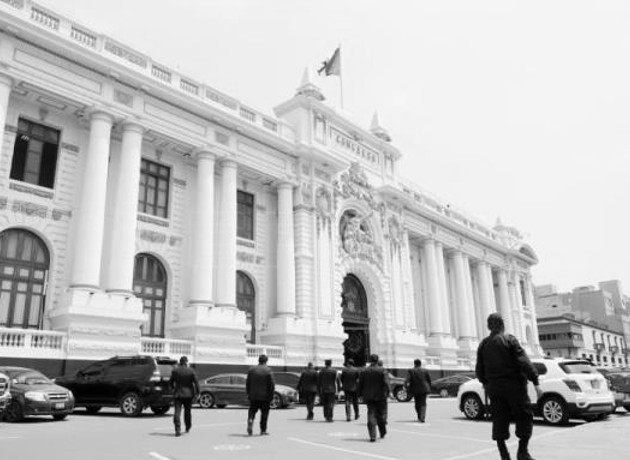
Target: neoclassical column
column 442, row 289
column 285, row 252
column 226, row 250
column 517, row 304
column 470, row 297
column 433, row 286
column 88, row 244
column 466, row 320
column 119, row 272
column 6, row 83
column 486, row 296
column 201, row 272
column 505, row 307
column 532, row 303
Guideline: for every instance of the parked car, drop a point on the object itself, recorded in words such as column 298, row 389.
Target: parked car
column 619, row 384
column 291, row 379
column 399, row 389
column 571, row 389
column 223, row 389
column 5, row 393
column 132, row 383
column 32, row 393
column 448, row 386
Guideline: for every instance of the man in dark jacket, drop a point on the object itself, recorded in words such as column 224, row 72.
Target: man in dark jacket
column 504, row 369
column 418, row 384
column 307, row 387
column 327, row 383
column 349, row 380
column 260, row 387
column 374, row 388
column 186, row 387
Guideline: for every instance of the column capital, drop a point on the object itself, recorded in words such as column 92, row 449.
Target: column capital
column 228, row 163
column 132, row 126
column 100, row 115
column 204, row 152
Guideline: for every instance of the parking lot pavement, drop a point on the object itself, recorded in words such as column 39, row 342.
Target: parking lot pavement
column 220, row 433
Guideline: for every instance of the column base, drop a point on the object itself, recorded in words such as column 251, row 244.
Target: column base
column 305, row 339
column 218, row 332
column 99, row 324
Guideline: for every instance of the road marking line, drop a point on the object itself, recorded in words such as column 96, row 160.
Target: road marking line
column 435, row 435
column 158, row 456
column 10, row 437
column 340, row 449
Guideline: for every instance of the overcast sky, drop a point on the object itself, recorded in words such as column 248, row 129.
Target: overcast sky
column 502, row 108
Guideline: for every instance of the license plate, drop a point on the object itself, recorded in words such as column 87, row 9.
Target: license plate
column 60, row 405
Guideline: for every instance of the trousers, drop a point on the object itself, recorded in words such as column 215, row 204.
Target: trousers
column 509, row 401
column 377, row 417
column 186, row 403
column 254, row 406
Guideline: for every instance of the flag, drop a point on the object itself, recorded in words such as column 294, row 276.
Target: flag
column 332, row 66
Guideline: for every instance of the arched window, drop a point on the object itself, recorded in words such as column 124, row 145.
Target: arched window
column 24, row 261
column 246, row 301
column 149, row 285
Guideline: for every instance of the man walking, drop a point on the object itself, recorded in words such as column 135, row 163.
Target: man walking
column 418, row 384
column 504, row 369
column 349, row 381
column 259, row 387
column 327, row 383
column 307, row 387
column 186, row 387
column 374, row 387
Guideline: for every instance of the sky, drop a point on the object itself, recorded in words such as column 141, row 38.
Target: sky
column 517, row 110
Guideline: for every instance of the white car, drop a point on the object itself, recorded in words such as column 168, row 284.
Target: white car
column 5, row 393
column 571, row 389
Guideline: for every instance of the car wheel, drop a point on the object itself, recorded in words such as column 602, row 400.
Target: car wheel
column 401, row 394
column 206, row 400
column 472, row 407
column 131, row 405
column 93, row 409
column 160, row 410
column 554, row 411
column 13, row 412
column 444, row 393
column 276, row 401
column 59, row 417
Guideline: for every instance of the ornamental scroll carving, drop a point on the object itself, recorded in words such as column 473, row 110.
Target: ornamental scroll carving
column 357, row 238
column 354, row 183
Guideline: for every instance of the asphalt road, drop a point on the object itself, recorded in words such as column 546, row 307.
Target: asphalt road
column 220, row 433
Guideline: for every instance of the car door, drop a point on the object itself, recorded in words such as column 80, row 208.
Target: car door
column 220, row 386
column 89, row 383
column 542, row 375
column 237, row 382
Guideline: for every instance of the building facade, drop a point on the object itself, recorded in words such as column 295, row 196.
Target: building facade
column 144, row 211
column 566, row 337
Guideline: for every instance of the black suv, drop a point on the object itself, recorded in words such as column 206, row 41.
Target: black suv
column 132, row 383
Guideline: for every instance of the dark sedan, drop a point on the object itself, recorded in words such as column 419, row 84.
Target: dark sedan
column 223, row 389
column 448, row 386
column 32, row 393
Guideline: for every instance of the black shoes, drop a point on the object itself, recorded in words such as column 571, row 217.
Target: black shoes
column 178, row 433
column 187, row 429
column 356, row 416
column 264, row 433
column 523, row 455
column 372, row 439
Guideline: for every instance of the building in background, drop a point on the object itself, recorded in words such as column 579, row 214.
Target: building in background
column 143, row 211
column 599, row 316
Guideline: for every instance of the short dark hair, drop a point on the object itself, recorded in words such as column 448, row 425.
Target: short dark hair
column 309, row 364
column 262, row 359
column 374, row 358
column 350, row 362
column 495, row 322
column 183, row 360
column 328, row 362
column 417, row 362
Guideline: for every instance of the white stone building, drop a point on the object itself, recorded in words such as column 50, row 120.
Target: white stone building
column 144, row 211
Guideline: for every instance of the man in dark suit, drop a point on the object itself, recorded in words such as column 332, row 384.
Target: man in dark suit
column 307, row 387
column 186, row 387
column 327, row 383
column 349, row 380
column 260, row 387
column 418, row 384
column 374, row 388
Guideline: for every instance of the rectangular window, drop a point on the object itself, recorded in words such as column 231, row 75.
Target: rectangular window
column 35, row 154
column 245, row 205
column 154, row 189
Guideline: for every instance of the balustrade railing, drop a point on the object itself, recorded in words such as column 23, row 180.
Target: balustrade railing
column 32, row 343
column 166, row 347
column 272, row 352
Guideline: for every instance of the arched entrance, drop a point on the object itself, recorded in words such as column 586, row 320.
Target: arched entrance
column 24, row 261
column 356, row 322
column 246, row 302
column 149, row 284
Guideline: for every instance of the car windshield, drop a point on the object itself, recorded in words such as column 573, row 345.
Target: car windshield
column 578, row 367
column 30, row 378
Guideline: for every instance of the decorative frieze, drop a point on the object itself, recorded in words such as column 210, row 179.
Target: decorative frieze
column 30, row 209
column 353, row 183
column 19, row 4
column 249, row 258
column 151, row 220
column 152, row 236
